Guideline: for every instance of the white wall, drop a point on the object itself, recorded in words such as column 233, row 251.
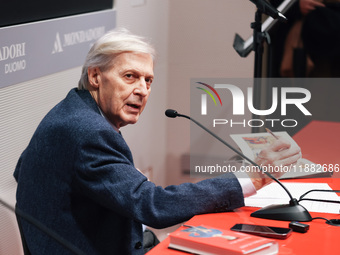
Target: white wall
column 194, row 40
column 147, row 138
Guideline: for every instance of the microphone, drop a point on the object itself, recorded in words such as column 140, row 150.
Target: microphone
column 286, row 212
column 171, row 113
column 266, row 8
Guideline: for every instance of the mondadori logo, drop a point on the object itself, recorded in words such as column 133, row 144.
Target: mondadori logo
column 281, row 97
column 77, row 37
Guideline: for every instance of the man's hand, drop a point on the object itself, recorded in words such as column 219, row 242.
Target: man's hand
column 309, row 5
column 277, row 156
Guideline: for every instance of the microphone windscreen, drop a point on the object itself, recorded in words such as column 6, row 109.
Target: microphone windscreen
column 171, row 113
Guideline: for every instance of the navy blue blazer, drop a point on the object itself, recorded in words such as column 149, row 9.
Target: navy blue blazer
column 77, row 177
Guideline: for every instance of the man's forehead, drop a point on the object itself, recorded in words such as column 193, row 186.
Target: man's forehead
column 128, row 57
column 140, row 62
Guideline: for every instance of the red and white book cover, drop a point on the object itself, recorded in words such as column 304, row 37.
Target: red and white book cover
column 206, row 240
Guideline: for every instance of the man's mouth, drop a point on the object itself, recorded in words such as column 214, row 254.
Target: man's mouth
column 135, row 106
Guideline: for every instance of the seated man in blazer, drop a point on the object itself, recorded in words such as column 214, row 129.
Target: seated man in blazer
column 77, row 175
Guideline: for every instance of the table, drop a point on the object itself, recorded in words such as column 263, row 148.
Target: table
column 320, row 143
column 320, row 239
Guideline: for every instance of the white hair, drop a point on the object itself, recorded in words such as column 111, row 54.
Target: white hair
column 104, row 51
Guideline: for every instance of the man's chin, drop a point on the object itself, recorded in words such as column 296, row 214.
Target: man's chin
column 132, row 120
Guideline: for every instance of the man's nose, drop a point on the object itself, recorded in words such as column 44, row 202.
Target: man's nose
column 141, row 88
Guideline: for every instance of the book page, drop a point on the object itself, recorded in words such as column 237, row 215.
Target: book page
column 252, row 144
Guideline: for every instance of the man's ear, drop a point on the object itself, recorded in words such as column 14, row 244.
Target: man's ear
column 92, row 74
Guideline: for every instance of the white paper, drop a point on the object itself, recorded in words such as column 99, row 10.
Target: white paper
column 275, row 194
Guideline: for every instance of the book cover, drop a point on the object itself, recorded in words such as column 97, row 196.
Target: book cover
column 206, row 240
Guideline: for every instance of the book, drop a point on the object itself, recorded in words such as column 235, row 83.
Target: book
column 252, row 144
column 205, row 240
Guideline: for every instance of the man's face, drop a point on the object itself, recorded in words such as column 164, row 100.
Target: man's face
column 123, row 90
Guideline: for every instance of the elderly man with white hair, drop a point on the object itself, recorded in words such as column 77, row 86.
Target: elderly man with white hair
column 77, row 175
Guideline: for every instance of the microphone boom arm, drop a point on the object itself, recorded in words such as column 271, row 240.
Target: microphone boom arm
column 238, row 152
column 287, row 212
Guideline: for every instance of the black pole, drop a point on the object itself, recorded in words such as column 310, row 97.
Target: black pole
column 258, row 39
column 258, row 43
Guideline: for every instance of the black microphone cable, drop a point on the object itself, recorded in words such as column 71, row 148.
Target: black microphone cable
column 333, row 222
column 319, row 200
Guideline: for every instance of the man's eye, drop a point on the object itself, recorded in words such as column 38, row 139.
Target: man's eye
column 130, row 75
column 149, row 81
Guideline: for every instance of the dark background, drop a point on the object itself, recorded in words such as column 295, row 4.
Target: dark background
column 15, row 12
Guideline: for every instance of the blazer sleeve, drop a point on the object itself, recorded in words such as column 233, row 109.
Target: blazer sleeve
column 105, row 173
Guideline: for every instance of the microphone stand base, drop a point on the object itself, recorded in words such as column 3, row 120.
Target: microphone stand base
column 283, row 212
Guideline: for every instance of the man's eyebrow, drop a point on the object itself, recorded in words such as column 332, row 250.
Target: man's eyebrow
column 135, row 70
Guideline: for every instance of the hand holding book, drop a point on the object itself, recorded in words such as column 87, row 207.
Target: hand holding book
column 276, row 152
column 275, row 157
